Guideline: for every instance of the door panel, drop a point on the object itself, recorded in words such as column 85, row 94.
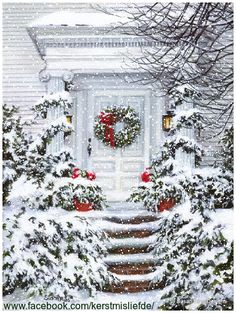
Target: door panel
column 118, row 170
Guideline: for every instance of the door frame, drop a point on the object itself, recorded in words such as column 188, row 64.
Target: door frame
column 122, row 92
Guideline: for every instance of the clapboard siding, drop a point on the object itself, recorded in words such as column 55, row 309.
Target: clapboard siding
column 21, row 61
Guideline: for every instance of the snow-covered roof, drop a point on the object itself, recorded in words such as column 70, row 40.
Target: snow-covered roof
column 68, row 18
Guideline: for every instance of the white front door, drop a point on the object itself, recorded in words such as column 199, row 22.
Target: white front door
column 118, row 170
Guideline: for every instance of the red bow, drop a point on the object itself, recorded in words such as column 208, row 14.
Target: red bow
column 108, row 119
column 76, row 173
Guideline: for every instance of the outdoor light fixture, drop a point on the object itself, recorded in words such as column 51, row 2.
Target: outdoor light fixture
column 167, row 120
column 69, row 119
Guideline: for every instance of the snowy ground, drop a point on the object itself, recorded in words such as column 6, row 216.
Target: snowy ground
column 222, row 216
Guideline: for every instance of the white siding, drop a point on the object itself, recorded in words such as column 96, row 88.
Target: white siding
column 21, row 61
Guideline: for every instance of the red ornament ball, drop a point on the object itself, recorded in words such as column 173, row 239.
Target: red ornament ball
column 146, row 177
column 91, row 175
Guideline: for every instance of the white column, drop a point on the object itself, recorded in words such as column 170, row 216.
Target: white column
column 55, row 83
column 184, row 158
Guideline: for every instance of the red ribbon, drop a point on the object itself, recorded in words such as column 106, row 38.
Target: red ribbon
column 108, row 120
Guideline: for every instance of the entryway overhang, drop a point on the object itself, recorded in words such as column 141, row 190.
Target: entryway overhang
column 86, row 43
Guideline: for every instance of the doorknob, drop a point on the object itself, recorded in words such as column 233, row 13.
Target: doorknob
column 89, row 147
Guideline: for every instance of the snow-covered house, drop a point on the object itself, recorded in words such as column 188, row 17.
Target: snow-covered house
column 86, row 50
column 46, row 51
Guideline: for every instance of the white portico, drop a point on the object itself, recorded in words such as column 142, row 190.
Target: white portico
column 87, row 50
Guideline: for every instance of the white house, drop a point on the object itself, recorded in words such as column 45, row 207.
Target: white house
column 87, row 50
column 53, row 47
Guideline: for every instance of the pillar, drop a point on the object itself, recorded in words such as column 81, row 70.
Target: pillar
column 55, row 83
column 184, row 158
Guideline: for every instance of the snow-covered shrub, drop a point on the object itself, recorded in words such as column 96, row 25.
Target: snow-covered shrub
column 227, row 154
column 51, row 101
column 14, row 148
column 171, row 179
column 47, row 175
column 208, row 188
column 212, row 187
column 194, row 244
column 53, row 254
column 83, row 190
column 167, row 173
column 58, row 192
column 195, row 259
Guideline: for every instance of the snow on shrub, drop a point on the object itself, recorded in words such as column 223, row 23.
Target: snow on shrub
column 61, row 100
column 57, row 193
column 194, row 245
column 210, row 187
column 45, row 176
column 14, row 145
column 195, row 259
column 53, row 254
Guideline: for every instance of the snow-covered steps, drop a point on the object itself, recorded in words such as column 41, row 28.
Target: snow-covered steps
column 135, row 219
column 124, row 206
column 138, row 277
column 132, row 242
column 119, row 230
column 132, row 269
column 109, row 226
column 138, row 258
column 131, row 245
column 132, row 232
column 130, row 286
column 135, row 283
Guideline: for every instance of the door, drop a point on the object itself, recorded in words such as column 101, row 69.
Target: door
column 118, row 170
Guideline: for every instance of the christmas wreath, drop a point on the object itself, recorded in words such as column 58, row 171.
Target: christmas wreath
column 105, row 122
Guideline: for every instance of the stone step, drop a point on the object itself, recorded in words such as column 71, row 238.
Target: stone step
column 125, row 206
column 132, row 220
column 133, row 286
column 131, row 269
column 129, row 250
column 139, row 258
column 130, row 233
column 131, row 242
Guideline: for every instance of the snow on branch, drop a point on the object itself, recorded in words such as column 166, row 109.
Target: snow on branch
column 52, row 101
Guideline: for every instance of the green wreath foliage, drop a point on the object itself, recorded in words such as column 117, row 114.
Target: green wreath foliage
column 126, row 136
